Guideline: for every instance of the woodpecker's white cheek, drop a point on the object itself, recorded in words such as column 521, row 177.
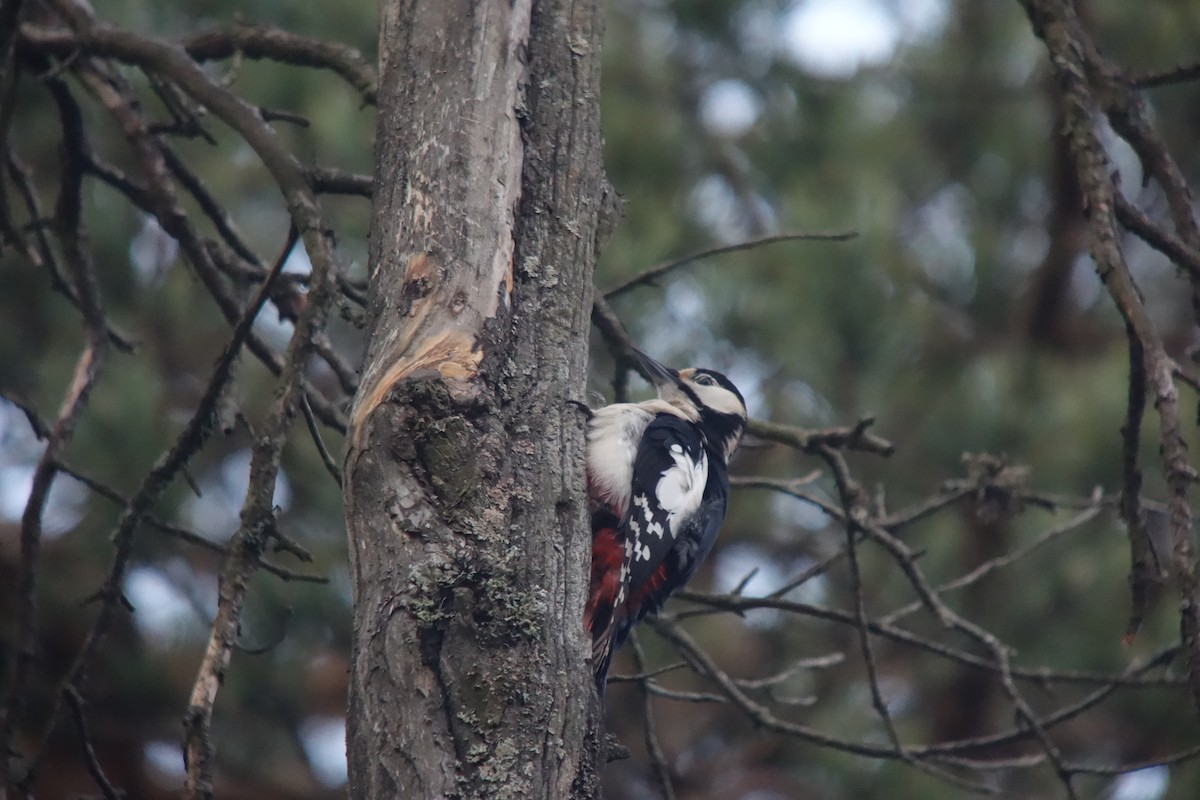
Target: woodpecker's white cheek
column 720, row 399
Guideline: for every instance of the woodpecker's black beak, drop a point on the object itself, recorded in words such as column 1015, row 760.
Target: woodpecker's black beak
column 658, row 374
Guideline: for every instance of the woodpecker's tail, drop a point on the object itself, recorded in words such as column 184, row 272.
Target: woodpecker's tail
column 602, row 654
column 605, row 592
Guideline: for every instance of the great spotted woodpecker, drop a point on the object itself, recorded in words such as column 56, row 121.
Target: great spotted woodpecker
column 658, row 485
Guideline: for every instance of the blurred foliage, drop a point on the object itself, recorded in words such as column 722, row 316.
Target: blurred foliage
column 279, row 719
column 965, row 317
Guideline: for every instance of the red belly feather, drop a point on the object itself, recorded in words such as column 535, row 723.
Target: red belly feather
column 608, row 554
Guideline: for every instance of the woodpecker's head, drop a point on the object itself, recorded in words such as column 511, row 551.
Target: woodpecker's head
column 706, row 397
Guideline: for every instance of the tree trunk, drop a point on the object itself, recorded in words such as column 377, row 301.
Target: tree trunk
column 463, row 482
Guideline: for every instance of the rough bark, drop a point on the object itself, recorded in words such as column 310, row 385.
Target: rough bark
column 463, row 482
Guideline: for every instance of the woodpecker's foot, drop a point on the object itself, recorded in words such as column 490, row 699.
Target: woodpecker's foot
column 583, row 407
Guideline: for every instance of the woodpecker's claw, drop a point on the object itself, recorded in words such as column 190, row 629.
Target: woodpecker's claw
column 584, row 408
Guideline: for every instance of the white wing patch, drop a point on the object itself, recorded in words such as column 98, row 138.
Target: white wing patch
column 652, row 526
column 672, row 474
column 681, row 488
column 624, row 580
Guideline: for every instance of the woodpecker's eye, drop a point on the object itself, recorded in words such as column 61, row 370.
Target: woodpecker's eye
column 704, row 380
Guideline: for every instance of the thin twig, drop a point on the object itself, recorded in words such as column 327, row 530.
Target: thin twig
column 1042, row 676
column 1161, row 240
column 1183, row 74
column 109, row 791
column 658, row 759
column 856, row 437
column 1002, row 562
column 177, row 532
column 330, row 465
column 72, row 234
column 165, row 470
column 763, row 717
column 640, row 677
column 852, row 501
column 661, row 270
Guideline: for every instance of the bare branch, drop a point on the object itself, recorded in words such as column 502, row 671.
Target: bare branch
column 71, row 232
column 330, row 465
column 1055, row 23
column 855, row 438
column 168, row 467
column 1144, row 570
column 326, row 180
column 109, row 791
column 177, row 532
column 1136, row 220
column 662, row 270
column 658, row 759
column 43, row 256
column 1001, row 562
column 1189, row 72
column 261, row 41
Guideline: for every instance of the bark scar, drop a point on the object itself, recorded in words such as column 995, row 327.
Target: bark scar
column 451, row 355
column 419, row 278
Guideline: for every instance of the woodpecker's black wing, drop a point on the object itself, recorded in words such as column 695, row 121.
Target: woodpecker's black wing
column 680, row 494
column 670, row 472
